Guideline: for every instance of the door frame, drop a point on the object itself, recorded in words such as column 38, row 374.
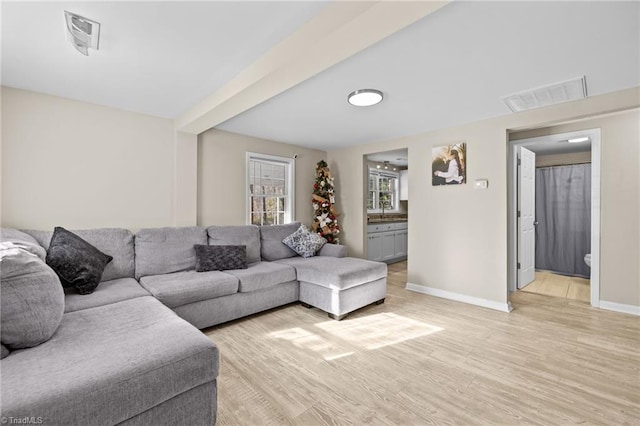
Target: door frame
column 512, row 200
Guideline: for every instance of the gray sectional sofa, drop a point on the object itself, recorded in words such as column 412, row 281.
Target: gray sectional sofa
column 122, row 355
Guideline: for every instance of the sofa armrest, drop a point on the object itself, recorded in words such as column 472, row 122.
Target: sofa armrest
column 333, row 250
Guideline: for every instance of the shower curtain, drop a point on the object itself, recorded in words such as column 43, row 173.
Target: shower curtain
column 563, row 213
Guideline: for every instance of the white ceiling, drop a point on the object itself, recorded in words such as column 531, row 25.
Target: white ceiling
column 158, row 58
column 451, row 67
column 397, row 157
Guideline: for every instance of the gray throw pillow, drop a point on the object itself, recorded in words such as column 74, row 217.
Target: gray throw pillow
column 22, row 240
column 220, row 258
column 304, row 242
column 32, row 301
column 78, row 264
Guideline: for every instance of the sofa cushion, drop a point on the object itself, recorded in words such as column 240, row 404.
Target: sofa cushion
column 108, row 364
column 271, row 245
column 338, row 273
column 180, row 288
column 261, row 275
column 78, row 264
column 166, row 250
column 32, row 301
column 304, row 242
column 108, row 292
column 116, row 242
column 22, row 240
column 246, row 235
column 220, row 258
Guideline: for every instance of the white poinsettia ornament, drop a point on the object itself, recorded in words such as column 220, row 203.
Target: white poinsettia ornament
column 323, row 220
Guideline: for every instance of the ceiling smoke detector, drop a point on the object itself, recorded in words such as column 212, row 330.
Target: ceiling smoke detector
column 82, row 33
column 556, row 93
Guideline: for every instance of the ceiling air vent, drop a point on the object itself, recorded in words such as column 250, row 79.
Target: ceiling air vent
column 556, row 93
column 83, row 33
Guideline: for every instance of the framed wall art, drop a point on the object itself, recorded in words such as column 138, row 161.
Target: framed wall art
column 449, row 164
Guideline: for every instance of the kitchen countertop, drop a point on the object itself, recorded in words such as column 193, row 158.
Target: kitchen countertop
column 390, row 220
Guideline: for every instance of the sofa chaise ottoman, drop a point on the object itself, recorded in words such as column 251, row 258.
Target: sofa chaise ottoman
column 339, row 286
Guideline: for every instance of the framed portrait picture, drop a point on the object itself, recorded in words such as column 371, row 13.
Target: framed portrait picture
column 449, row 164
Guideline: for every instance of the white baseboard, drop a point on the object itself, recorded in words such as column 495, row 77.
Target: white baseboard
column 458, row 297
column 620, row 307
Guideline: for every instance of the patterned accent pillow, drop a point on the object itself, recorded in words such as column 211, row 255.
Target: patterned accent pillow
column 304, row 242
column 78, row 264
column 220, row 258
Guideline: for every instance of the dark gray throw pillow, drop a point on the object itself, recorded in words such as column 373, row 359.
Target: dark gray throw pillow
column 78, row 264
column 220, row 258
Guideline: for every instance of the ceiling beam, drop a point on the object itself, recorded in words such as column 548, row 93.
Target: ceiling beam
column 339, row 31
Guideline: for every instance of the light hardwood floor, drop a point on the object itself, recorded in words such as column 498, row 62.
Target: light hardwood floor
column 551, row 284
column 419, row 360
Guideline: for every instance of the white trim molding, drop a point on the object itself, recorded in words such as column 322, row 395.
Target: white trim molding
column 620, row 307
column 458, row 297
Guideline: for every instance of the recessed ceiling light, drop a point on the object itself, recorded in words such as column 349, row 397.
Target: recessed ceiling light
column 365, row 97
column 578, row 140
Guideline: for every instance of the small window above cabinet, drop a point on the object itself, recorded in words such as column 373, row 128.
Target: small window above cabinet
column 404, row 185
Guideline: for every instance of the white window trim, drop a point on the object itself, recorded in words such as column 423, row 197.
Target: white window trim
column 397, row 189
column 290, row 200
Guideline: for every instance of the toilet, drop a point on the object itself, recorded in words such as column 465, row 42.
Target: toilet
column 587, row 259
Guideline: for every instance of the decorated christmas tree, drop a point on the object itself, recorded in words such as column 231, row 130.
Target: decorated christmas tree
column 325, row 221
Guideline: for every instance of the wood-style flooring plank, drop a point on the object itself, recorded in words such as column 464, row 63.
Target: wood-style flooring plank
column 420, row 360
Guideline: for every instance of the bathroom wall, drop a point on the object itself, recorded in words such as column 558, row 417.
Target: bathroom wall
column 562, row 159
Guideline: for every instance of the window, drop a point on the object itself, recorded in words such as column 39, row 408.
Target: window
column 270, row 189
column 382, row 191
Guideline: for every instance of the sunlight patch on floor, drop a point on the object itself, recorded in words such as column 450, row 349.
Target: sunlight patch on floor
column 308, row 340
column 378, row 330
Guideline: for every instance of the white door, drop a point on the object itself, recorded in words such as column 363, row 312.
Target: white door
column 526, row 216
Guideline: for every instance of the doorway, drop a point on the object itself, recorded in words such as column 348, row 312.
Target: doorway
column 521, row 247
column 385, row 207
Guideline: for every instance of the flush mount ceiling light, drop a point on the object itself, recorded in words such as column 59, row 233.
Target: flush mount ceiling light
column 564, row 91
column 82, row 33
column 365, row 97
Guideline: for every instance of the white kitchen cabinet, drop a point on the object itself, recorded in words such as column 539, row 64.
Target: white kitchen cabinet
column 374, row 246
column 404, row 185
column 387, row 242
column 400, row 243
column 388, row 245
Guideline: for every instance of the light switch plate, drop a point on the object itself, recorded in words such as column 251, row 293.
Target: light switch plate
column 481, row 184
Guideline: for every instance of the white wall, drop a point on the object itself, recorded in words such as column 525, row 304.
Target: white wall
column 82, row 165
column 222, row 176
column 458, row 235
